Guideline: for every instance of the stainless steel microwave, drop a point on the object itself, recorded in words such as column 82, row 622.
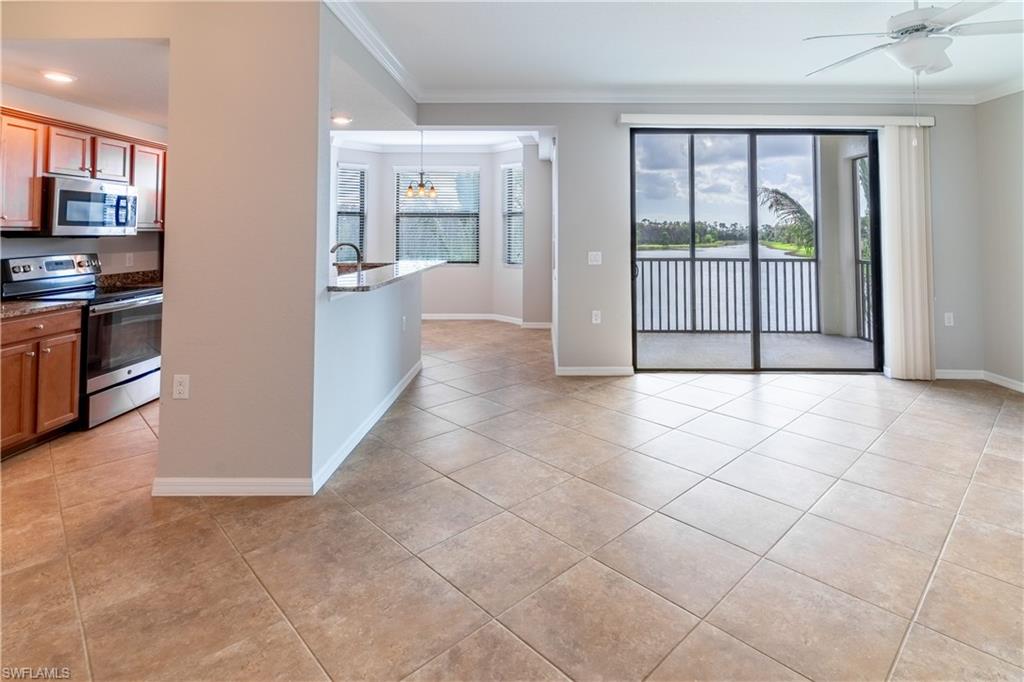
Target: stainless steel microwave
column 77, row 207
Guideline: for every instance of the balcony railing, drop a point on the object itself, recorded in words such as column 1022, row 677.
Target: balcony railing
column 712, row 295
column 865, row 294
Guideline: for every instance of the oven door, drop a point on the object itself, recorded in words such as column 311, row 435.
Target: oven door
column 80, row 208
column 123, row 341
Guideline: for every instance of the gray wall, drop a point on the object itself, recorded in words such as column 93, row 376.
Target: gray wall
column 593, row 214
column 537, row 237
column 1001, row 223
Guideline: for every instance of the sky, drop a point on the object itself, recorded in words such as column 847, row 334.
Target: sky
column 720, row 175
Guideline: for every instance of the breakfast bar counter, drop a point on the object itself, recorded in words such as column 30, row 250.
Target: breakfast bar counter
column 370, row 276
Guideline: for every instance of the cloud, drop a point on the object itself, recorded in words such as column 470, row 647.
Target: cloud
column 661, row 151
column 660, row 185
column 783, row 146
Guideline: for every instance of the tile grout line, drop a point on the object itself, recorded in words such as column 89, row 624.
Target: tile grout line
column 270, row 596
column 71, row 570
column 935, row 566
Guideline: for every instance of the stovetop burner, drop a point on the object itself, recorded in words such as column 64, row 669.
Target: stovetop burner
column 99, row 294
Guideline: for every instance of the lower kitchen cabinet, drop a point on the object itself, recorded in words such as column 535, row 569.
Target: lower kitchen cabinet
column 41, row 356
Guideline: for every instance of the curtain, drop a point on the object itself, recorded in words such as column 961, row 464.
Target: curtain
column 908, row 287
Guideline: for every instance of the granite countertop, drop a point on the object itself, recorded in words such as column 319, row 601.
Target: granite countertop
column 12, row 309
column 376, row 277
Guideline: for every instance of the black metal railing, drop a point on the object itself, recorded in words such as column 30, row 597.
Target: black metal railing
column 712, row 295
column 865, row 296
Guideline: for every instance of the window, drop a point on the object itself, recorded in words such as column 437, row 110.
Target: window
column 512, row 213
column 444, row 228
column 350, row 221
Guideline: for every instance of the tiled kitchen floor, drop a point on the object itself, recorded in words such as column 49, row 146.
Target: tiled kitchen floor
column 504, row 523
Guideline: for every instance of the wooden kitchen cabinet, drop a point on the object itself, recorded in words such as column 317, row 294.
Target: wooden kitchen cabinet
column 69, row 152
column 22, row 144
column 57, row 385
column 148, row 169
column 113, row 159
column 18, row 378
column 40, row 374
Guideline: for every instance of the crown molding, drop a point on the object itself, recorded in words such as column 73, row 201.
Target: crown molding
column 702, row 95
column 356, row 22
column 1009, row 87
column 429, row 149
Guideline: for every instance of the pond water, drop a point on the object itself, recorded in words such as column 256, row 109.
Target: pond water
column 730, row 251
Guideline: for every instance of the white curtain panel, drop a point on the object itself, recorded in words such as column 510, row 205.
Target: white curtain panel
column 907, row 281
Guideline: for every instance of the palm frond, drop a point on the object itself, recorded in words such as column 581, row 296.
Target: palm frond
column 786, row 209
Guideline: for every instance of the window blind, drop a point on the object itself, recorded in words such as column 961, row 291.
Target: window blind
column 512, row 213
column 444, row 228
column 350, row 222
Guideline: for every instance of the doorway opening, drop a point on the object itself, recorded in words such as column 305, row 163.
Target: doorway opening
column 755, row 250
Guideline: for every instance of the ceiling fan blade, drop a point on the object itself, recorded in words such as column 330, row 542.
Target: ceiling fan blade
column 851, row 58
column 957, row 13
column 848, row 35
column 988, row 28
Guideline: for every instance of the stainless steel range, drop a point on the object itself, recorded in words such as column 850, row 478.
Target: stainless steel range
column 122, row 324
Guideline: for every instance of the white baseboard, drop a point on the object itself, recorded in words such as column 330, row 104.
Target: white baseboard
column 331, row 465
column 169, row 487
column 981, row 375
column 472, row 316
column 173, row 487
column 593, row 371
column 536, row 325
column 976, row 374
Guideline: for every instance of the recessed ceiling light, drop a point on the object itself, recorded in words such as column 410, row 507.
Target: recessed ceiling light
column 342, row 119
column 58, row 77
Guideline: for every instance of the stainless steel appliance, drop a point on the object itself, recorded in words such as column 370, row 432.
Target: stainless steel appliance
column 76, row 207
column 122, row 326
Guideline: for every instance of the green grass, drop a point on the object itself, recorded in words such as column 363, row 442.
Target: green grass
column 685, row 247
column 790, row 249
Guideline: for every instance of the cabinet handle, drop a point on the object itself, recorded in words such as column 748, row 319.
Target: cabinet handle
column 3, row 217
column 46, row 350
column 30, row 354
column 38, row 326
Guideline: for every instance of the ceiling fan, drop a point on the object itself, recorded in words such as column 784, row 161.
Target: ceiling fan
column 922, row 35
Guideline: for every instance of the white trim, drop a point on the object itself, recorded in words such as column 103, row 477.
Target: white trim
column 428, row 149
column 967, row 374
column 771, row 121
column 981, row 375
column 593, row 371
column 472, row 316
column 175, row 486
column 536, row 325
column 1005, row 382
column 365, row 33
column 325, row 471
column 684, row 94
column 1010, row 87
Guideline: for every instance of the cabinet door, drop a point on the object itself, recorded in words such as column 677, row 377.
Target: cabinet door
column 18, row 379
column 148, row 178
column 57, row 390
column 113, row 159
column 21, row 169
column 69, row 152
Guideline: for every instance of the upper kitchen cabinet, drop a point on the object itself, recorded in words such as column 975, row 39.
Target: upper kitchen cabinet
column 69, row 152
column 148, row 178
column 22, row 144
column 113, row 159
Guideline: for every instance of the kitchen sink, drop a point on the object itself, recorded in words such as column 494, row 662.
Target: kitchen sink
column 346, row 268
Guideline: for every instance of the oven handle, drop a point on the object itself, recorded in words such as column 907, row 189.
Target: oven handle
column 103, row 308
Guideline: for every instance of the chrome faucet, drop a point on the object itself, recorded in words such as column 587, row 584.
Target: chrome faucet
column 359, row 255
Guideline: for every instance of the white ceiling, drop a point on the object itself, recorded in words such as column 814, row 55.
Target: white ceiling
column 682, row 51
column 125, row 77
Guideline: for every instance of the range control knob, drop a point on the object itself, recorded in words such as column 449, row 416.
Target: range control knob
column 82, row 263
column 16, row 269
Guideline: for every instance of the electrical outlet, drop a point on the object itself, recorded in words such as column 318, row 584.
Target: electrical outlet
column 949, row 319
column 129, row 259
column 593, row 258
column 180, row 388
column 595, row 316
column 403, row 323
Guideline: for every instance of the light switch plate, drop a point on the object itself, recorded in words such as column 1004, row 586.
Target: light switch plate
column 949, row 319
column 595, row 316
column 593, row 258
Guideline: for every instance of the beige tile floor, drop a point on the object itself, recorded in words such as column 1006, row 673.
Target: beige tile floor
column 504, row 523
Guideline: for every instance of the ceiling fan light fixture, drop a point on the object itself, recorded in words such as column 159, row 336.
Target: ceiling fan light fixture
column 924, row 54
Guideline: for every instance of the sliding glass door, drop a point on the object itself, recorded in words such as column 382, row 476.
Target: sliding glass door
column 796, row 291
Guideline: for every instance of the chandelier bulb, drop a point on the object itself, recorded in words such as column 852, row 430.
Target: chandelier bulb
column 409, row 191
